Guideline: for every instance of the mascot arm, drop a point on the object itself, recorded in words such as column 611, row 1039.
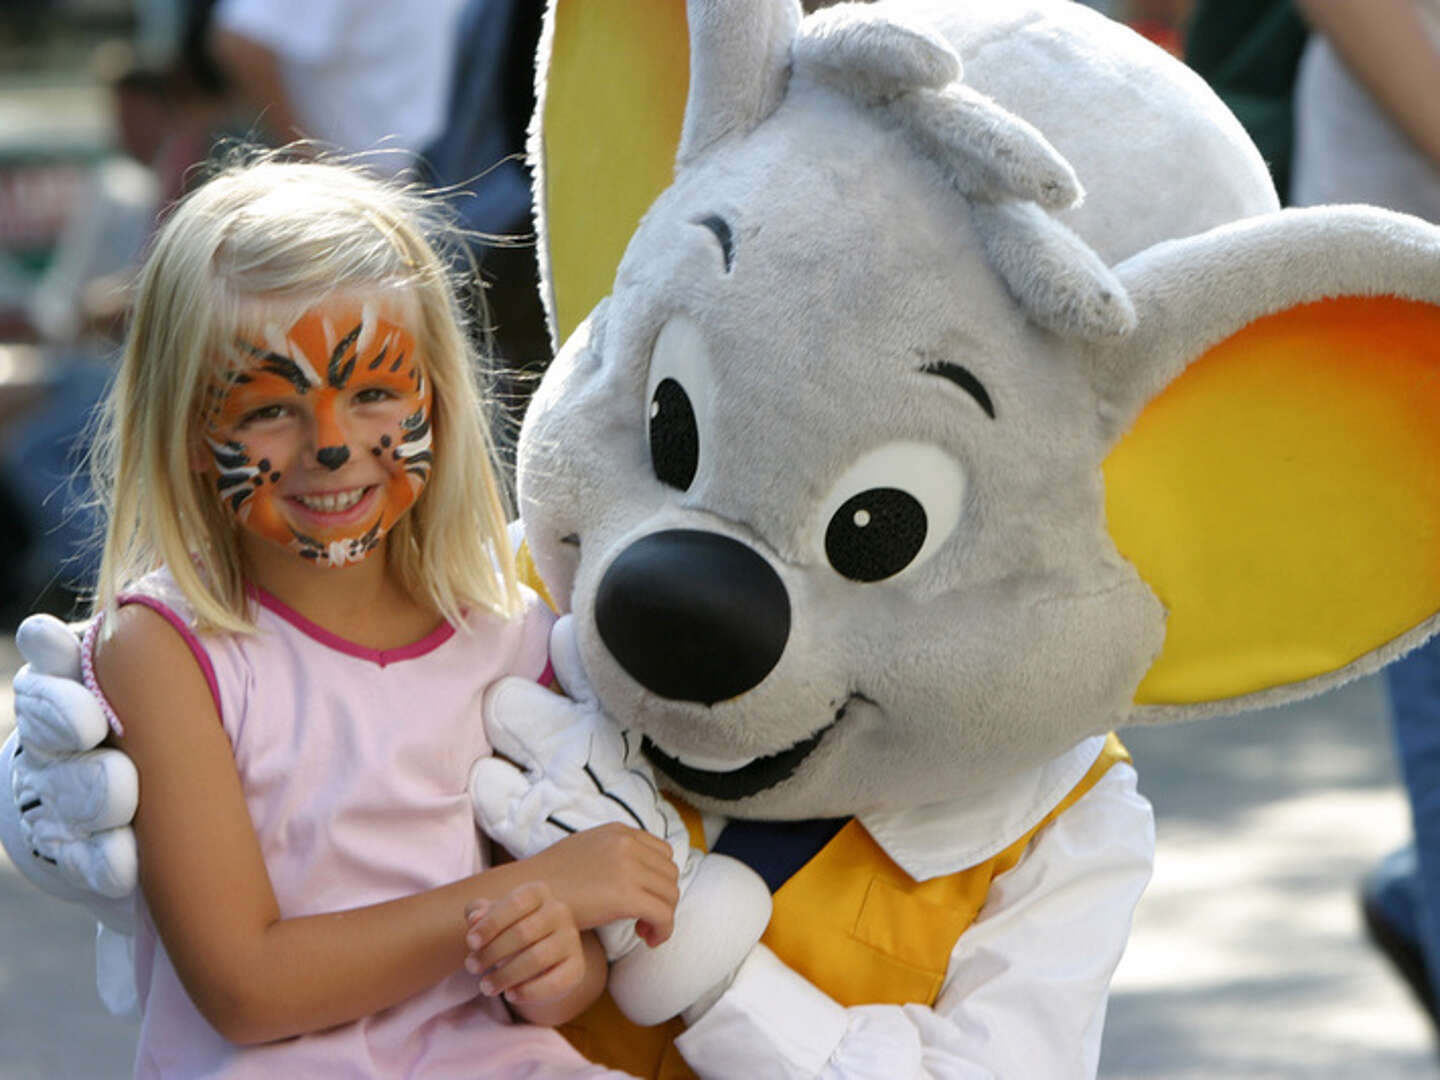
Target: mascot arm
column 66, row 802
column 1027, row 983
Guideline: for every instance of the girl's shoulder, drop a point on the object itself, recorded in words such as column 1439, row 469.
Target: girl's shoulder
column 151, row 635
column 522, row 641
column 536, row 620
column 534, row 610
column 144, row 663
column 537, row 615
column 159, row 591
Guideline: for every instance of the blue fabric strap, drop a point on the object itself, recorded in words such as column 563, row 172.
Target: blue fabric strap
column 776, row 850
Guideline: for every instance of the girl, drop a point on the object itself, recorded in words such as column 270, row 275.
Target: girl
column 305, row 589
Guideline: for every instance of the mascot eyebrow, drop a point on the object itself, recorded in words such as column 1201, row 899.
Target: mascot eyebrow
column 963, row 378
column 721, row 228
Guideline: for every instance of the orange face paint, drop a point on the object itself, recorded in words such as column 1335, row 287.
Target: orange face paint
column 321, row 439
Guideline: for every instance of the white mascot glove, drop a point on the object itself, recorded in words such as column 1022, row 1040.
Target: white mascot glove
column 578, row 770
column 66, row 804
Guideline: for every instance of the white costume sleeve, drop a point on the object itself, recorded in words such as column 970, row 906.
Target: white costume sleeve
column 1027, row 985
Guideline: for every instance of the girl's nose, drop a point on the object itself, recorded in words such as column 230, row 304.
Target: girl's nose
column 332, row 457
column 332, row 441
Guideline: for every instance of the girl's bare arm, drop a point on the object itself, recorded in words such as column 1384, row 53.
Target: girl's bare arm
column 255, row 976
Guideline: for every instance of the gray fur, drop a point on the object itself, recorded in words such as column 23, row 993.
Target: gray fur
column 739, row 65
column 1059, row 281
column 990, row 154
column 864, row 52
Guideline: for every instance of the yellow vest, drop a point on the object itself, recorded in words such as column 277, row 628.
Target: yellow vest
column 851, row 922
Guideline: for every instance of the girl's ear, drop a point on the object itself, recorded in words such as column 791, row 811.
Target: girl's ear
column 1279, row 488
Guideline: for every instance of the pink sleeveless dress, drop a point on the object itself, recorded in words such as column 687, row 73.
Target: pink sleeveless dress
column 354, row 764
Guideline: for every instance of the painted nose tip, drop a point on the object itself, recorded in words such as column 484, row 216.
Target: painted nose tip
column 693, row 616
column 332, row 457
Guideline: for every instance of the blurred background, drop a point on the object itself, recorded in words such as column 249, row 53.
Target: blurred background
column 1251, row 957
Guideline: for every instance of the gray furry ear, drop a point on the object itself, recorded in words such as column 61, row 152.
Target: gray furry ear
column 855, row 49
column 1054, row 275
column 739, row 67
column 990, row 153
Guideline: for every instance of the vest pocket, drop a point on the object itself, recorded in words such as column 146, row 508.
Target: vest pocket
column 914, row 933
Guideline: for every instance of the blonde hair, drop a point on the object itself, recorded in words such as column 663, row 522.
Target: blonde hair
column 276, row 237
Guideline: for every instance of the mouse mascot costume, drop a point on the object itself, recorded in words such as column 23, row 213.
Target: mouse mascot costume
column 961, row 396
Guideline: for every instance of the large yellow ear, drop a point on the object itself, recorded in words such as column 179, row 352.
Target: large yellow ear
column 612, row 105
column 1282, row 498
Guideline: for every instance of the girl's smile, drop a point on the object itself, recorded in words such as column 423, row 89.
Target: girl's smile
column 334, row 507
column 331, row 515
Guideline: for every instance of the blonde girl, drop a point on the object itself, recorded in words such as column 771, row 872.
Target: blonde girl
column 306, row 588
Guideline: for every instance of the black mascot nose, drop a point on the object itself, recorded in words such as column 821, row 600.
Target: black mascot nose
column 693, row 616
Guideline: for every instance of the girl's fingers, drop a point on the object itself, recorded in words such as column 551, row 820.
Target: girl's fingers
column 658, row 851
column 555, row 982
column 529, row 963
column 667, row 889
column 654, row 920
column 474, row 910
column 540, row 932
column 486, row 921
column 647, row 850
column 648, row 896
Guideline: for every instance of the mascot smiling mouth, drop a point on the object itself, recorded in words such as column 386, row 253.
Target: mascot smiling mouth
column 759, row 775
column 753, row 777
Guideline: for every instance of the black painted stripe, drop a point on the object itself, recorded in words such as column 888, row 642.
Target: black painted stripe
column 339, row 371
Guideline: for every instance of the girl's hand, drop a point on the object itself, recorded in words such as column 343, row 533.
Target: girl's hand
column 613, row 872
column 524, row 945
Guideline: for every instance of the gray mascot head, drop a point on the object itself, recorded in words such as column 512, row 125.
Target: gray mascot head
column 893, row 465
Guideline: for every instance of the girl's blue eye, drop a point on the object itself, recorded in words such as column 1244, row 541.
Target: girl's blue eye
column 374, row 395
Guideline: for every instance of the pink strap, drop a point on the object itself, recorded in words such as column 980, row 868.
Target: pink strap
column 87, row 673
column 87, row 655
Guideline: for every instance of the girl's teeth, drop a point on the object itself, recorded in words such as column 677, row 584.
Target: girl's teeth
column 332, row 504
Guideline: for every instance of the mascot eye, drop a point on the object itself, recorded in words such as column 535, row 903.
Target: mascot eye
column 678, row 393
column 674, row 437
column 891, row 510
column 876, row 534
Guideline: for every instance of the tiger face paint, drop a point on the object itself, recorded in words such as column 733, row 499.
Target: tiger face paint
column 320, row 439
